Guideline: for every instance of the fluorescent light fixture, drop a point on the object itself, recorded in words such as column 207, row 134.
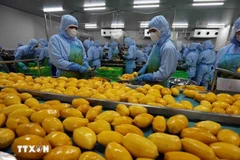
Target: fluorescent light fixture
column 53, row 9
column 144, row 24
column 207, row 0
column 95, row 8
column 89, row 25
column 117, row 25
column 94, row 4
column 215, row 25
column 180, row 25
column 208, row 4
column 147, row 6
column 146, row 2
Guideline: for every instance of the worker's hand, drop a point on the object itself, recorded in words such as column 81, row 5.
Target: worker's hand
column 25, row 68
column 83, row 70
column 145, row 77
column 85, row 64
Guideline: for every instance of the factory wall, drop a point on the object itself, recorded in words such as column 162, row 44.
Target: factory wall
column 25, row 26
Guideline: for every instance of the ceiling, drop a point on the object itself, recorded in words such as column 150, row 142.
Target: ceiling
column 177, row 11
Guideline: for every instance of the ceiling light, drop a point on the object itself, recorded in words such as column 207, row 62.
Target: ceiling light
column 215, row 25
column 94, row 4
column 207, row 0
column 180, row 25
column 208, row 4
column 146, row 2
column 53, row 9
column 144, row 24
column 89, row 25
column 146, row 6
column 117, row 25
column 95, row 8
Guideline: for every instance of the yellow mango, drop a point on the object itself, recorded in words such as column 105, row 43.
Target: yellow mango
column 155, row 94
column 59, row 107
column 79, row 101
column 159, row 124
column 233, row 110
column 53, row 102
column 108, row 116
column 30, row 102
column 71, row 123
column 89, row 155
column 11, row 99
column 143, row 120
column 30, row 128
column 115, row 151
column 199, row 97
column 136, row 110
column 99, row 125
column 140, row 146
column 22, row 112
column 176, row 105
column 2, row 119
column 2, row 106
column 236, row 96
column 57, row 138
column 218, row 110
column 84, row 108
column 177, row 123
column 63, row 152
column 197, row 148
column 189, row 93
column 199, row 134
column 186, row 104
column 220, row 104
column 51, row 124
column 105, row 137
column 206, row 103
column 71, row 112
column 161, row 101
column 147, row 86
column 121, row 120
column 132, row 99
column 210, row 126
column 226, row 150
column 33, row 140
column 157, row 86
column 84, row 137
column 176, row 155
column 166, row 91
column 13, row 122
column 144, row 159
column 228, row 136
column 141, row 90
column 169, row 99
column 202, row 108
column 6, row 137
column 25, row 96
column 39, row 116
column 237, row 103
column 93, row 113
column 14, row 107
column 122, row 110
column 210, row 97
column 175, row 91
column 128, row 128
column 165, row 142
column 226, row 98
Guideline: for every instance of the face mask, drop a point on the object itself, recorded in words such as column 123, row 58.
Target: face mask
column 72, row 32
column 155, row 36
column 238, row 37
column 35, row 48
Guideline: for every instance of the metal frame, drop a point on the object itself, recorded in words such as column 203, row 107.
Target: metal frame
column 25, row 60
column 155, row 110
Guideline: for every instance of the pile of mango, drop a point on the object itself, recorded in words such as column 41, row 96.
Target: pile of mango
column 219, row 103
column 126, row 77
column 25, row 121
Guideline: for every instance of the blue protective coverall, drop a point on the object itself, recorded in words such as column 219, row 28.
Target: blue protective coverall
column 162, row 61
column 130, row 56
column 100, row 49
column 67, row 53
column 43, row 52
column 113, row 51
column 26, row 52
column 206, row 60
column 141, row 57
column 93, row 56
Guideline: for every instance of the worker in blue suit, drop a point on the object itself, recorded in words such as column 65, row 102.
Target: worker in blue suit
column 66, row 51
column 229, row 56
column 184, row 51
column 43, row 52
column 191, row 60
column 93, row 55
column 206, row 60
column 100, row 49
column 19, row 44
column 148, row 49
column 141, row 57
column 162, row 61
column 26, row 52
column 130, row 56
column 106, row 46
column 113, row 51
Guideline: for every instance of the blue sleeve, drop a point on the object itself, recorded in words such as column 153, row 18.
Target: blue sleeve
column 19, row 54
column 42, row 54
column 166, row 68
column 130, row 54
column 55, row 55
column 90, row 53
column 200, row 57
column 189, row 60
column 110, row 53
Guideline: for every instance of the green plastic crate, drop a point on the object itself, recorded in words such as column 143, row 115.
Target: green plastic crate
column 44, row 71
column 110, row 72
column 180, row 74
